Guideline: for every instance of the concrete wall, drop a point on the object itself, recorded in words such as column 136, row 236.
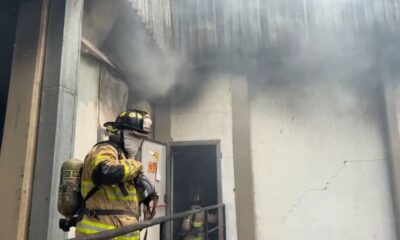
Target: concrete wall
column 101, row 96
column 209, row 117
column 113, row 97
column 319, row 161
column 87, row 107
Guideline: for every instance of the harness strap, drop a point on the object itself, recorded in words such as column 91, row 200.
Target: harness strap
column 105, row 212
column 91, row 193
column 123, row 189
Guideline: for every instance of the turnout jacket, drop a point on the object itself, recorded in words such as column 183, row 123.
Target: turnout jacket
column 108, row 168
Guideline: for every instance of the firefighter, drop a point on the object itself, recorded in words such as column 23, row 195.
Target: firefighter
column 192, row 226
column 196, row 231
column 108, row 176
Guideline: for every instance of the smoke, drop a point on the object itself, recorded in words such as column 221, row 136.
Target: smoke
column 151, row 72
column 301, row 42
column 346, row 43
column 274, row 42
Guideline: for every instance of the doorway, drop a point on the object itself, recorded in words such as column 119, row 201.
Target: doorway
column 195, row 168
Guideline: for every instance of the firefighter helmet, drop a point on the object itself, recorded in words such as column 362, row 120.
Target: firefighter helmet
column 136, row 120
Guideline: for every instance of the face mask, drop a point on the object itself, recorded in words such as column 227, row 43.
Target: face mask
column 131, row 143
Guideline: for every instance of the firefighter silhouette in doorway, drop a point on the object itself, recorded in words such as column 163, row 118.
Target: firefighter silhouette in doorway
column 193, row 225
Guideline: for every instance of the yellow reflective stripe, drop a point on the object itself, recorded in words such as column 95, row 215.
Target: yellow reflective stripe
column 98, row 159
column 90, row 227
column 101, row 157
column 127, row 238
column 87, row 185
column 116, row 196
column 197, row 225
column 86, row 231
column 97, row 225
column 126, row 169
column 112, row 193
column 193, row 238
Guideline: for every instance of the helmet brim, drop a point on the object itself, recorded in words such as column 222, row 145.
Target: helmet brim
column 124, row 127
column 110, row 124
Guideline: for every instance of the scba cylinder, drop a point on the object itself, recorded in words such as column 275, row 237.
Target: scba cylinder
column 69, row 195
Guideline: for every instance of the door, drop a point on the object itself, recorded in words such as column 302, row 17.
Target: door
column 195, row 168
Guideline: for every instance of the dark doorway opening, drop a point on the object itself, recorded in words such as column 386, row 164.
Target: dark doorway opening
column 195, row 176
column 8, row 25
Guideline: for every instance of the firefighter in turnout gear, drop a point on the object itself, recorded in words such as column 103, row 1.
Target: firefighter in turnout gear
column 108, row 177
column 192, row 226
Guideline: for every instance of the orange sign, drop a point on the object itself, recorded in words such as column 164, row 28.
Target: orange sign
column 152, row 167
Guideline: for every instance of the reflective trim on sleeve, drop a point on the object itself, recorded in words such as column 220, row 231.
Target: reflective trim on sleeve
column 126, row 169
column 97, row 160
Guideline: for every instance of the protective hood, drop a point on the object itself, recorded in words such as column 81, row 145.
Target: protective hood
column 131, row 143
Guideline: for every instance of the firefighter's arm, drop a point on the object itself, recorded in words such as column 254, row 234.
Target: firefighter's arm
column 105, row 168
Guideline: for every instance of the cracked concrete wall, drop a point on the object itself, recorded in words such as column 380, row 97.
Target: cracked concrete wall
column 319, row 161
column 209, row 117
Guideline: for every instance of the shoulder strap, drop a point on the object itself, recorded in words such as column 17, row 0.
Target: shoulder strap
column 91, row 193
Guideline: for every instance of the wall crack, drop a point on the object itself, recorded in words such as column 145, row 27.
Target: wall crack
column 324, row 187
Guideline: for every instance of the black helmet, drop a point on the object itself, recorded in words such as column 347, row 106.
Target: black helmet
column 136, row 120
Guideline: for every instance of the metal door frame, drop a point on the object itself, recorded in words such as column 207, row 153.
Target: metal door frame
column 169, row 188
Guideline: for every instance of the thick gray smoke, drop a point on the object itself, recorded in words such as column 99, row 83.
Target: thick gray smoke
column 270, row 41
column 301, row 42
column 278, row 41
column 150, row 71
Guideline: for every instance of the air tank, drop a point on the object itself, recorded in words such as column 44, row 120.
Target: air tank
column 69, row 195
